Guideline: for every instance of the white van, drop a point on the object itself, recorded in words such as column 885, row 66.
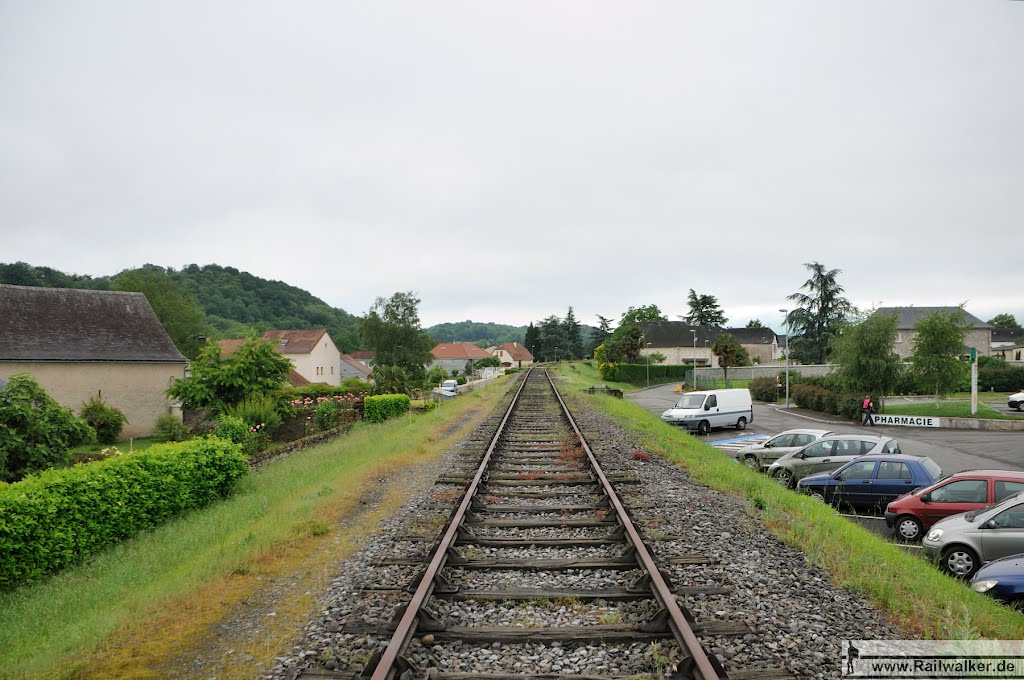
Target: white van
column 450, row 386
column 706, row 409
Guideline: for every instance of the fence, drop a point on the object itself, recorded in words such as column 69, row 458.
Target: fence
column 762, row 371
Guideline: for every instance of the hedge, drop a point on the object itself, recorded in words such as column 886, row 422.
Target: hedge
column 1001, row 378
column 636, row 374
column 59, row 517
column 384, row 406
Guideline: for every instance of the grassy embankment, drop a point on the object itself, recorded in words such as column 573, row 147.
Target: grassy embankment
column 125, row 611
column 918, row 597
column 947, row 409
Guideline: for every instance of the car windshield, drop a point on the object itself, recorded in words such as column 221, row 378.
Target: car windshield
column 694, row 400
column 974, row 513
column 932, row 468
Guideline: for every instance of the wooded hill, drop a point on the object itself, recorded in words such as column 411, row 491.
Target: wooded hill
column 483, row 334
column 235, row 303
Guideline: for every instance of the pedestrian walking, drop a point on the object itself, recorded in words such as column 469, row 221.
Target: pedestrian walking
column 867, row 407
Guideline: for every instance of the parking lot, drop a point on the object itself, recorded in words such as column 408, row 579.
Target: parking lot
column 953, row 450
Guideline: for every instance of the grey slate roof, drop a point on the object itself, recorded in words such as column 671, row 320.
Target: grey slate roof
column 679, row 334
column 1007, row 335
column 64, row 324
column 907, row 317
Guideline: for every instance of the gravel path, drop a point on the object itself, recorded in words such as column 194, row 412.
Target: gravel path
column 799, row 617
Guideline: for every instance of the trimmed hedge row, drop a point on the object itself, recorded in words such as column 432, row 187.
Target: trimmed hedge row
column 59, row 517
column 636, row 374
column 384, row 406
column 823, row 400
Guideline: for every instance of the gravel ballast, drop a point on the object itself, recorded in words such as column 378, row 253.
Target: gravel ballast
column 799, row 618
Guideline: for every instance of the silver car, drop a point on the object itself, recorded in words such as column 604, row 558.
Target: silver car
column 827, row 454
column 760, row 456
column 962, row 543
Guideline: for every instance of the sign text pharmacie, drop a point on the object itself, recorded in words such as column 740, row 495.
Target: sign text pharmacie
column 910, row 421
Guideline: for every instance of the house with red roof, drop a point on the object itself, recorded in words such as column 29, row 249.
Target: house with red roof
column 512, row 354
column 455, row 356
column 315, row 357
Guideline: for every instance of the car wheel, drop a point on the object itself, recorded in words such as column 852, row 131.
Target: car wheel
column 703, row 427
column 741, row 423
column 817, row 495
column 959, row 561
column 908, row 528
column 1020, row 406
column 751, row 462
column 785, row 478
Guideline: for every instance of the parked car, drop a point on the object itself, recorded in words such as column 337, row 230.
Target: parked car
column 911, row 515
column 871, row 481
column 962, row 543
column 450, row 386
column 1002, row 579
column 827, row 454
column 1016, row 401
column 703, row 410
column 760, row 456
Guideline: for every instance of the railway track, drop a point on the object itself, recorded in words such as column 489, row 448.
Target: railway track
column 531, row 544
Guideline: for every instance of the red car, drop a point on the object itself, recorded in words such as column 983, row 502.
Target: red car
column 911, row 514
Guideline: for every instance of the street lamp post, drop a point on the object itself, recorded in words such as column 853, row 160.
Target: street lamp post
column 648, row 364
column 692, row 330
column 786, row 319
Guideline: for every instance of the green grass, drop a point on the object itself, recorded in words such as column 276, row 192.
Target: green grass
column 946, row 409
column 47, row 627
column 136, row 444
column 919, row 597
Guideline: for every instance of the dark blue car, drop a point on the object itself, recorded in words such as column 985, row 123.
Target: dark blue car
column 1002, row 579
column 872, row 481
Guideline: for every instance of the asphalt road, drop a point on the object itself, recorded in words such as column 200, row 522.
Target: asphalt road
column 953, row 450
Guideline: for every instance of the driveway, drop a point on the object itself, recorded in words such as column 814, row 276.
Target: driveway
column 953, row 450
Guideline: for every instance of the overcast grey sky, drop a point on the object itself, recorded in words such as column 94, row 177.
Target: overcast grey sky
column 508, row 160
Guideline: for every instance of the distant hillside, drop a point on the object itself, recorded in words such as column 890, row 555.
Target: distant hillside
column 234, row 299
column 234, row 302
column 484, row 334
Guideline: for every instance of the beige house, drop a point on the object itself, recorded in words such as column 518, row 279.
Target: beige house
column 979, row 336
column 313, row 354
column 79, row 344
column 512, row 354
column 683, row 344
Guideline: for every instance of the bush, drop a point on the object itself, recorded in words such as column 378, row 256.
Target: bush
column 460, row 380
column 231, row 428
column 384, row 406
column 60, row 517
column 36, row 433
column 1001, row 378
column 171, row 429
column 327, row 414
column 260, row 409
column 106, row 420
column 764, row 389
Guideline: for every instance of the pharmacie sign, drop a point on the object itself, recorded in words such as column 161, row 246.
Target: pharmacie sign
column 910, row 421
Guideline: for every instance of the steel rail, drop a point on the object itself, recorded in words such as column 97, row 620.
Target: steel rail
column 406, row 629
column 684, row 635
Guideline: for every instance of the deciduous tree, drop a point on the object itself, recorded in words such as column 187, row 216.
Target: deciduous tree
column 1005, row 321
column 864, row 352
column 36, row 432
column 255, row 369
column 392, row 329
column 938, row 347
column 178, row 311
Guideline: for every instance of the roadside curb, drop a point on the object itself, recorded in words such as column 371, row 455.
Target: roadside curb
column 944, row 423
